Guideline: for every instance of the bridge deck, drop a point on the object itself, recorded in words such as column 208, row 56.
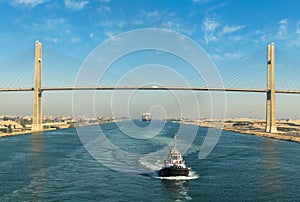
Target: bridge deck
column 147, row 88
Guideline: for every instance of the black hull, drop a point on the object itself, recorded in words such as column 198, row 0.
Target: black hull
column 173, row 172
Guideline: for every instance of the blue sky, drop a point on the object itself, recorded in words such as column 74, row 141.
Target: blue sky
column 227, row 30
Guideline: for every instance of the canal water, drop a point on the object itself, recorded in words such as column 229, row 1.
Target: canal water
column 55, row 166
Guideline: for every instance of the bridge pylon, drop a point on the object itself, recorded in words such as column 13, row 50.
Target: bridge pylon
column 271, row 102
column 37, row 98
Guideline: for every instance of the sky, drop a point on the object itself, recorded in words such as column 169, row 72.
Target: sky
column 71, row 30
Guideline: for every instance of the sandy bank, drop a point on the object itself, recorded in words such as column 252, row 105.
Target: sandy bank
column 55, row 127
column 288, row 130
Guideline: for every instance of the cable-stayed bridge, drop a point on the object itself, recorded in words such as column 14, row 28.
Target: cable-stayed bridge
column 270, row 90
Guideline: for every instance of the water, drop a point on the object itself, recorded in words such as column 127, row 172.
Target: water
column 54, row 166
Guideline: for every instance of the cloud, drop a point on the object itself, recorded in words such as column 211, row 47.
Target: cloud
column 237, row 38
column 162, row 19
column 102, row 16
column 104, row 9
column 121, row 24
column 202, row 1
column 74, row 5
column 153, row 16
column 91, row 35
column 137, row 22
column 233, row 56
column 75, row 40
column 209, row 25
column 214, row 30
column 295, row 42
column 216, row 7
column 53, row 40
column 53, row 23
column 283, row 25
column 226, row 57
column 110, row 34
column 298, row 28
column 231, row 29
column 210, row 38
column 216, row 57
column 178, row 26
column 264, row 38
column 31, row 3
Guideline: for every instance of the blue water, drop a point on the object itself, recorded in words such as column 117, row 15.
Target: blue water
column 55, row 166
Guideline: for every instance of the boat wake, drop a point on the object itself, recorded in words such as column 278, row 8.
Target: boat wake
column 192, row 175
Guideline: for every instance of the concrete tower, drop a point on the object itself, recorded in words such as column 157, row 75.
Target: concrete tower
column 37, row 99
column 271, row 102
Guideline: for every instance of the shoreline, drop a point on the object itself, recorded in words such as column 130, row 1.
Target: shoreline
column 62, row 126
column 288, row 130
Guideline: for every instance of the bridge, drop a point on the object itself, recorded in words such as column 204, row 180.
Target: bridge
column 270, row 91
column 152, row 88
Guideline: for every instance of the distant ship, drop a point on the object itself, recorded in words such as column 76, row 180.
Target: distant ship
column 146, row 117
column 174, row 165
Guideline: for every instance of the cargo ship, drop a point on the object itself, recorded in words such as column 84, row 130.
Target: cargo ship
column 146, row 117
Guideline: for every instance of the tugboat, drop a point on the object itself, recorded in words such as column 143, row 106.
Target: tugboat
column 146, row 117
column 174, row 165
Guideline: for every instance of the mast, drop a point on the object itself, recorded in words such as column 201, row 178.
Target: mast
column 175, row 141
